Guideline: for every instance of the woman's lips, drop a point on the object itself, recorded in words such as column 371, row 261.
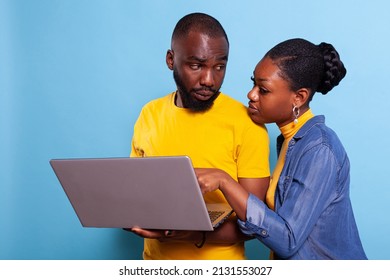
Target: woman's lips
column 252, row 108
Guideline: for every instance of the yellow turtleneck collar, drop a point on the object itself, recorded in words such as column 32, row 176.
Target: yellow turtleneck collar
column 291, row 128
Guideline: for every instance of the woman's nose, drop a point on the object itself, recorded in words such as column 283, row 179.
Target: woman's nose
column 252, row 95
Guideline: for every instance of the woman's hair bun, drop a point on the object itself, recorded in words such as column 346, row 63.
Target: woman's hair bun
column 334, row 70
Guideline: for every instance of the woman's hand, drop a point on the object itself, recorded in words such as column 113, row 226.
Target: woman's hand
column 211, row 179
column 236, row 194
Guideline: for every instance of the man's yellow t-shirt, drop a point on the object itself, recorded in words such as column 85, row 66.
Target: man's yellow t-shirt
column 223, row 137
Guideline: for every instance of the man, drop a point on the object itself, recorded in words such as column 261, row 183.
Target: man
column 213, row 129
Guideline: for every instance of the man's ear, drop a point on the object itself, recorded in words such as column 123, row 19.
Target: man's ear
column 169, row 59
column 301, row 97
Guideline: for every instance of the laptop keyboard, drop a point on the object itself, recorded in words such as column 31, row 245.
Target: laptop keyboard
column 214, row 215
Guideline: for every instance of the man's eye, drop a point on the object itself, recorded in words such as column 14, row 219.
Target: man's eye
column 195, row 66
column 220, row 67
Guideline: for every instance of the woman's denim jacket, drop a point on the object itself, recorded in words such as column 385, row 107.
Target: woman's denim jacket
column 313, row 217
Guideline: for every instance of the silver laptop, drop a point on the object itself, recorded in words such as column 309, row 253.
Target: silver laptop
column 151, row 193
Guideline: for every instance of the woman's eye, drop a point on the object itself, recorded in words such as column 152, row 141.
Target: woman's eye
column 263, row 90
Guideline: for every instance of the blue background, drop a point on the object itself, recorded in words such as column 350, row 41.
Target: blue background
column 74, row 75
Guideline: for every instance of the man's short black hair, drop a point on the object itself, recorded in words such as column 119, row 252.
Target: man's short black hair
column 199, row 22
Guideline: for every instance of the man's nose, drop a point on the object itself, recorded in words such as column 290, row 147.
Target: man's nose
column 207, row 78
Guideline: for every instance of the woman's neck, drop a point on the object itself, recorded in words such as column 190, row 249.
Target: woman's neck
column 291, row 128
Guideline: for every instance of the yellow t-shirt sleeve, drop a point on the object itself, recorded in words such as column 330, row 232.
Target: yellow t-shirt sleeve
column 253, row 153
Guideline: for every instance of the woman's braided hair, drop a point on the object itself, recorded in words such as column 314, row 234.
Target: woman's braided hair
column 305, row 65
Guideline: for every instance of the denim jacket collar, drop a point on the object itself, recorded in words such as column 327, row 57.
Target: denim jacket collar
column 302, row 132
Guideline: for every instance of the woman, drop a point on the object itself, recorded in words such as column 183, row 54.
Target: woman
column 308, row 212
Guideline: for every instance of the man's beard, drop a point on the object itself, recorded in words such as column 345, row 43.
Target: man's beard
column 189, row 101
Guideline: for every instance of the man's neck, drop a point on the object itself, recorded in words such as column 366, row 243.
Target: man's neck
column 178, row 101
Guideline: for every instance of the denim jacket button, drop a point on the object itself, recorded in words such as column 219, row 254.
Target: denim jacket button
column 264, row 233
